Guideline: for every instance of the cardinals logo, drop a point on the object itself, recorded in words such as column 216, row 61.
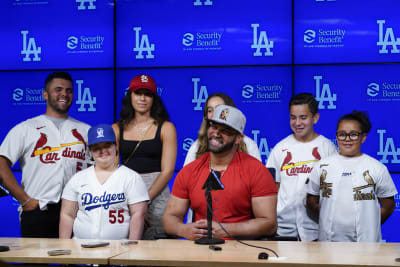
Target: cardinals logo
column 316, row 154
column 40, row 143
column 287, row 159
column 224, row 114
column 78, row 136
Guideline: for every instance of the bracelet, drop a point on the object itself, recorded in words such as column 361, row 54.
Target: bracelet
column 26, row 202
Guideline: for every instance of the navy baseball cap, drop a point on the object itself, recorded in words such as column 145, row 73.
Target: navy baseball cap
column 101, row 133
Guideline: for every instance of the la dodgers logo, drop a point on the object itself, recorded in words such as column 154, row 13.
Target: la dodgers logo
column 105, row 200
column 387, row 148
column 29, row 48
column 199, row 96
column 324, row 95
column 388, row 40
column 142, row 44
column 82, row 4
column 100, row 132
column 204, row 2
column 261, row 41
column 262, row 145
column 85, row 98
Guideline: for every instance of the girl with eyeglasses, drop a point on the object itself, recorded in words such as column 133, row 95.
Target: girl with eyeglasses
column 353, row 192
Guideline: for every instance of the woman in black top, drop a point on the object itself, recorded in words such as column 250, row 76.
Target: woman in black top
column 147, row 144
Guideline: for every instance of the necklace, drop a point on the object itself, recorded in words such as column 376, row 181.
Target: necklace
column 144, row 128
column 221, row 172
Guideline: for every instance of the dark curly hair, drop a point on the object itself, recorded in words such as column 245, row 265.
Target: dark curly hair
column 361, row 117
column 158, row 111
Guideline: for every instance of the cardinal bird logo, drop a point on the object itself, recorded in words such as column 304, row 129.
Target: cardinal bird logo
column 316, row 154
column 78, row 136
column 287, row 159
column 41, row 142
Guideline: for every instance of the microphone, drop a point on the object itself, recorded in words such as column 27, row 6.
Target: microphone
column 213, row 182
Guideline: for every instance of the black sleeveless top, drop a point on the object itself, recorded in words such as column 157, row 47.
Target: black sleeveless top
column 147, row 157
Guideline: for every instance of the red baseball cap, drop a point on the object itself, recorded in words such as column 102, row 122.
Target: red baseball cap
column 143, row 81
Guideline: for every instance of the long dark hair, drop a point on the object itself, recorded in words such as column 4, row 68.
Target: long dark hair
column 158, row 111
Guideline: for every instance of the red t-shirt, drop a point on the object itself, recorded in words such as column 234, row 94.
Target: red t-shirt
column 245, row 178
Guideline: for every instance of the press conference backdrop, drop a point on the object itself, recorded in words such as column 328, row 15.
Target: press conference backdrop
column 260, row 52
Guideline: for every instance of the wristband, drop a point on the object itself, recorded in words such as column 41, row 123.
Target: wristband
column 26, row 202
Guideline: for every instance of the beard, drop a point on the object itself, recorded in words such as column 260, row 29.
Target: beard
column 53, row 103
column 217, row 150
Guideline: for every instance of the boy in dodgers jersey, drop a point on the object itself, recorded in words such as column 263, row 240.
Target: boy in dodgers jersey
column 105, row 201
column 51, row 148
column 293, row 159
column 352, row 192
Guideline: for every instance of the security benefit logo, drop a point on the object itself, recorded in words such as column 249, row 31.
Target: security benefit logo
column 262, row 92
column 383, row 91
column 388, row 151
column 388, row 42
column 324, row 37
column 28, row 97
column 261, row 43
column 30, row 49
column 85, row 44
column 86, row 4
column 202, row 41
column 323, row 94
column 143, row 48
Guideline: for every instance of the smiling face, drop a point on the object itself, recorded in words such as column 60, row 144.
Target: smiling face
column 104, row 154
column 221, row 138
column 142, row 100
column 58, row 96
column 346, row 134
column 302, row 122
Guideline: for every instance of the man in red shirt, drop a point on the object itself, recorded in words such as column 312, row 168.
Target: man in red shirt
column 246, row 206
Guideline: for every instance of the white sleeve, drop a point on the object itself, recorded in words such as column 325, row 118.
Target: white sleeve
column 14, row 143
column 69, row 191
column 191, row 154
column 385, row 186
column 312, row 187
column 252, row 148
column 136, row 191
column 272, row 163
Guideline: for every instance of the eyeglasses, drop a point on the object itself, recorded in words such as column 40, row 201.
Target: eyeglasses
column 342, row 136
column 222, row 129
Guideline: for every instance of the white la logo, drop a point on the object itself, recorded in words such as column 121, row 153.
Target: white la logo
column 389, row 150
column 325, row 95
column 30, row 48
column 199, row 97
column 206, row 3
column 388, row 40
column 100, row 132
column 82, row 4
column 142, row 44
column 260, row 42
column 262, row 146
column 85, row 98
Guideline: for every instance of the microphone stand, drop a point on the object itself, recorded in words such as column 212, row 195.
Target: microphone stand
column 209, row 186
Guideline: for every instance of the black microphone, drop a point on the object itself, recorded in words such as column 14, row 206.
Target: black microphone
column 213, row 182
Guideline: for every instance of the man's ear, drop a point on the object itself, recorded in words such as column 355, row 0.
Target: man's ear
column 45, row 95
column 238, row 139
column 315, row 118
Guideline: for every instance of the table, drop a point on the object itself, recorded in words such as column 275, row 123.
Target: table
column 174, row 252
column 186, row 253
column 34, row 250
